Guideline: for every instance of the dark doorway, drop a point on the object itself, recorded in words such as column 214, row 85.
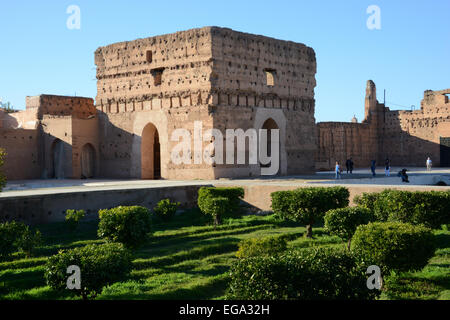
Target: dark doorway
column 57, row 171
column 445, row 151
column 270, row 124
column 150, row 153
column 87, row 161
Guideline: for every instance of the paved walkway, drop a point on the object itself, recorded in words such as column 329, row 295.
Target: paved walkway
column 418, row 177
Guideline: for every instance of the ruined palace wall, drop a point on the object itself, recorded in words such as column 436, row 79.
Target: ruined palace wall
column 22, row 148
column 339, row 141
column 57, row 128
column 24, row 119
column 256, row 78
column 131, row 94
column 53, row 105
column 84, row 131
column 412, row 136
column 128, row 73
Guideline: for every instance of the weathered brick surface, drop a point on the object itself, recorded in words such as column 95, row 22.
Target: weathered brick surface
column 214, row 75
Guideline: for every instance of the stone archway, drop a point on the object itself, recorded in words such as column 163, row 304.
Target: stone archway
column 269, row 125
column 150, row 153
column 87, row 161
column 57, row 152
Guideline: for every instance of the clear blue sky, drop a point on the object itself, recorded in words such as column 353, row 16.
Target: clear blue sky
column 411, row 52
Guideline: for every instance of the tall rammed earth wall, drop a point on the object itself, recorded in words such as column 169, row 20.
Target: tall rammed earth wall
column 214, row 75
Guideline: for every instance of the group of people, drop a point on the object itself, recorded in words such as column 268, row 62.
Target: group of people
column 387, row 167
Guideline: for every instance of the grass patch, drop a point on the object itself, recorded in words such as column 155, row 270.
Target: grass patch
column 188, row 258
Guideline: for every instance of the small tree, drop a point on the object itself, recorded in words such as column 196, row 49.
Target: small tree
column 2, row 161
column 216, row 207
column 165, row 209
column 128, row 225
column 218, row 202
column 343, row 222
column 17, row 236
column 73, row 218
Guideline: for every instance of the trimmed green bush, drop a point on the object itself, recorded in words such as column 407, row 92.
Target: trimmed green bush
column 368, row 200
column 100, row 265
column 302, row 275
column 394, row 246
column 271, row 246
column 28, row 241
column 127, row 225
column 73, row 218
column 216, row 207
column 233, row 194
column 220, row 202
column 430, row 208
column 17, row 236
column 165, row 209
column 343, row 222
column 308, row 205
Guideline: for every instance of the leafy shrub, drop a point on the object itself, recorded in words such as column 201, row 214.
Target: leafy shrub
column 233, row 194
column 308, row 205
column 302, row 275
column 368, row 200
column 220, row 202
column 28, row 241
column 2, row 161
column 271, row 246
column 343, row 222
column 165, row 209
column 127, row 225
column 17, row 236
column 394, row 245
column 73, row 218
column 431, row 208
column 100, row 265
column 216, row 207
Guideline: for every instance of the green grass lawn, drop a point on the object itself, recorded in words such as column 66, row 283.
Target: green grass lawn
column 190, row 259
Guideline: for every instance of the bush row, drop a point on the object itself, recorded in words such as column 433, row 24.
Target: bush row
column 430, row 208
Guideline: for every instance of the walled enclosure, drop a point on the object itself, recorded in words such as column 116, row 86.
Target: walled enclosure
column 407, row 138
column 47, row 139
column 226, row 79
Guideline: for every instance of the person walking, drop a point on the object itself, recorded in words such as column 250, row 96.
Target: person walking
column 338, row 170
column 387, row 167
column 429, row 164
column 373, row 166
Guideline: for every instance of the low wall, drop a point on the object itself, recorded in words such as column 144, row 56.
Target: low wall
column 37, row 209
column 47, row 208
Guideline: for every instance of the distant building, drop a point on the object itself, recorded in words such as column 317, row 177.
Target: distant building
column 406, row 137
